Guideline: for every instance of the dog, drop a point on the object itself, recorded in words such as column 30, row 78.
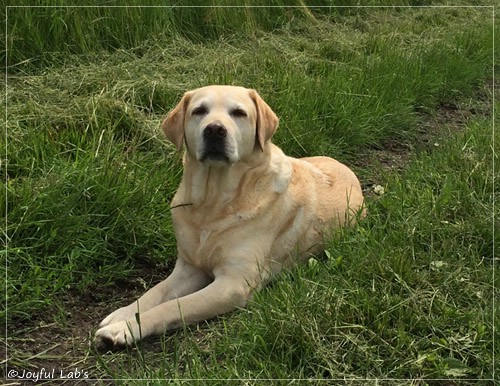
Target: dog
column 243, row 212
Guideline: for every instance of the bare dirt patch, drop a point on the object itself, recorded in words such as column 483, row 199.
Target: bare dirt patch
column 63, row 348
column 393, row 155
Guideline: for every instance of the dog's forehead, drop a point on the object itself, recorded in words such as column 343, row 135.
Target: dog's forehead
column 224, row 95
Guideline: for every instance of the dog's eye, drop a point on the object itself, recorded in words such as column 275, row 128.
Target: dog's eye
column 238, row 113
column 200, row 110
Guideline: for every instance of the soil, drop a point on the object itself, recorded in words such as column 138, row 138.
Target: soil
column 393, row 155
column 64, row 346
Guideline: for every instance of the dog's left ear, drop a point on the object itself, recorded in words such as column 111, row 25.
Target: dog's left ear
column 267, row 121
column 173, row 124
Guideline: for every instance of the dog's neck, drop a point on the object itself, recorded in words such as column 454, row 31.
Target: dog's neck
column 205, row 184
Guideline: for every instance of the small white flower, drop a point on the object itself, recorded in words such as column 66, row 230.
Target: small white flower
column 437, row 264
column 378, row 189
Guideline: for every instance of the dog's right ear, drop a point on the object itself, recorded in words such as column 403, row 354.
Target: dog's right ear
column 173, row 124
column 267, row 121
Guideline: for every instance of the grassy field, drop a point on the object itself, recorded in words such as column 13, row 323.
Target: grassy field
column 402, row 94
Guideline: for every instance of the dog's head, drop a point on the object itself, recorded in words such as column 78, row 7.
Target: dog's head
column 221, row 124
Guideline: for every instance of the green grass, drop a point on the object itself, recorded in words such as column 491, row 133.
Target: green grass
column 407, row 294
column 40, row 37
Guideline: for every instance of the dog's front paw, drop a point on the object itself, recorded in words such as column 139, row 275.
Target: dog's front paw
column 121, row 314
column 116, row 335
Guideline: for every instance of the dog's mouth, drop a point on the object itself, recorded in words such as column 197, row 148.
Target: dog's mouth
column 214, row 151
column 214, row 156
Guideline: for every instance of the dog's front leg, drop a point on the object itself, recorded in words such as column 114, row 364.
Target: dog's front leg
column 224, row 294
column 183, row 280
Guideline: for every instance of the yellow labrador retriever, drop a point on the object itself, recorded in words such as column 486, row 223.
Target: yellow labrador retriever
column 243, row 211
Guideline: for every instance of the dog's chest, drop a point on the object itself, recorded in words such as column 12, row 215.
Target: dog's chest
column 203, row 237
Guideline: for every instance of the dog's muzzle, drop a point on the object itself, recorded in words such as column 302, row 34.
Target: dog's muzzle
column 214, row 137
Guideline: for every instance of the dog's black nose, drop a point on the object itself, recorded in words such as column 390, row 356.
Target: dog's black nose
column 215, row 131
